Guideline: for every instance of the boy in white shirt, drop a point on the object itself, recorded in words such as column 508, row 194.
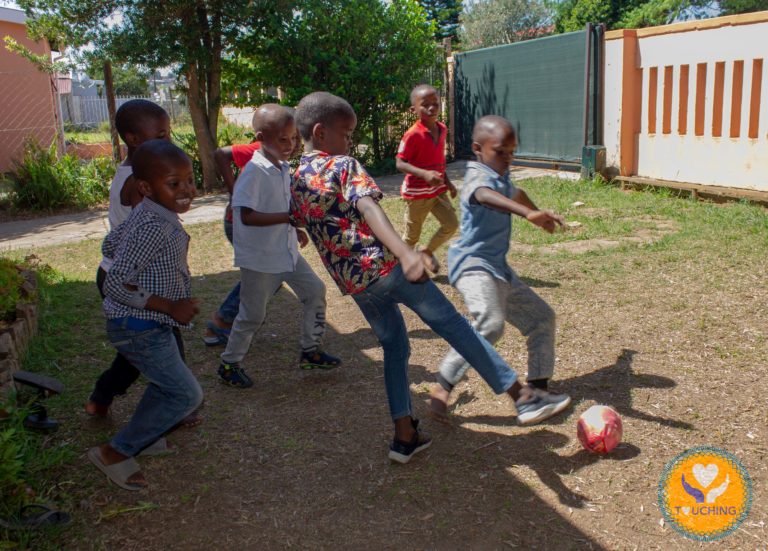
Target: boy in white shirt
column 266, row 249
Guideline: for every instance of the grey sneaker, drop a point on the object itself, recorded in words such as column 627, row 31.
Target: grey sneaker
column 541, row 406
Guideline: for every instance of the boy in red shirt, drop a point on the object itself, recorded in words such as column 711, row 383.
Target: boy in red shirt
column 421, row 156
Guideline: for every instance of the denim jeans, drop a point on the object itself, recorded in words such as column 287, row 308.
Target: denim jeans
column 379, row 304
column 228, row 309
column 120, row 375
column 172, row 393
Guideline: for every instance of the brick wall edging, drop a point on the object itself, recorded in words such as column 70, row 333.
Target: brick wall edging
column 14, row 339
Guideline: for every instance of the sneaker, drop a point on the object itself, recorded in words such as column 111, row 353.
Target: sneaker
column 234, row 375
column 403, row 451
column 317, row 359
column 541, row 406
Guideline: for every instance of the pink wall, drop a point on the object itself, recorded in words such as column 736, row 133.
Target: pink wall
column 27, row 98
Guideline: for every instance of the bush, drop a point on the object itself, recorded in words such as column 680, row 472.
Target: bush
column 10, row 284
column 41, row 181
column 228, row 134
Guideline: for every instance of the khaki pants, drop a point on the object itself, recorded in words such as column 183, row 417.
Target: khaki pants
column 416, row 211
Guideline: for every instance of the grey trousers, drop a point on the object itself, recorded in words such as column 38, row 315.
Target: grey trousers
column 257, row 288
column 491, row 302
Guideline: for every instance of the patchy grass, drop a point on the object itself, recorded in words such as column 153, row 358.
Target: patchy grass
column 670, row 332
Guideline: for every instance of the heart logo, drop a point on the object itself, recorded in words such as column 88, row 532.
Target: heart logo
column 705, row 475
column 686, row 510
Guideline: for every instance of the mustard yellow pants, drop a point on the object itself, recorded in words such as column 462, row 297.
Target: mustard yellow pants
column 416, row 211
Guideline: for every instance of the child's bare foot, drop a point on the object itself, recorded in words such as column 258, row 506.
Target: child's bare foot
column 110, row 456
column 96, row 410
column 438, row 403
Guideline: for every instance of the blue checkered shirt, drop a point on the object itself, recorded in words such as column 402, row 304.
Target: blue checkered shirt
column 150, row 252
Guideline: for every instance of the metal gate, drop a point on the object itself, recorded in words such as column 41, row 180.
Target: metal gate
column 542, row 87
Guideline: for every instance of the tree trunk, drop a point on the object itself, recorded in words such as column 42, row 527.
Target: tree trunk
column 109, row 86
column 206, row 142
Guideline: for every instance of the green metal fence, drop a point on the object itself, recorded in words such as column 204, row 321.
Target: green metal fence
column 539, row 85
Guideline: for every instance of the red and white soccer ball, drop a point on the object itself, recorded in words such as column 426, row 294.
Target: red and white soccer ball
column 599, row 429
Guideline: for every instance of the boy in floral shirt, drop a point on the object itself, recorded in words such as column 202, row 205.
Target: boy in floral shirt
column 337, row 202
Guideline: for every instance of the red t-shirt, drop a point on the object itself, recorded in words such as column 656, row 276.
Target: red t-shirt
column 419, row 148
column 242, row 153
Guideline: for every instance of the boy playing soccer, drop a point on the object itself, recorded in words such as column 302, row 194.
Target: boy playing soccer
column 421, row 156
column 336, row 200
column 137, row 121
column 477, row 264
column 147, row 295
column 266, row 249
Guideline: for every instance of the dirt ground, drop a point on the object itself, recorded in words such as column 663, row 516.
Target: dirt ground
column 675, row 341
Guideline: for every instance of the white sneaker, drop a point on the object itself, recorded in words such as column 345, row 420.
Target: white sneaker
column 541, row 406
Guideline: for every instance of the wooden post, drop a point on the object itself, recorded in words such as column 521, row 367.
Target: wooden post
column 109, row 86
column 450, row 143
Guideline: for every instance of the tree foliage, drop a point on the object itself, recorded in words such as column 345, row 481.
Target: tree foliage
column 130, row 80
column 445, row 15
column 573, row 15
column 194, row 36
column 369, row 52
column 495, row 22
column 732, row 7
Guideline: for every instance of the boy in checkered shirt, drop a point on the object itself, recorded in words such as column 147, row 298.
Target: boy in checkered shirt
column 147, row 295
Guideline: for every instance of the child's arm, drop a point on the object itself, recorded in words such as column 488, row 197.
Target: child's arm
column 520, row 205
column 251, row 217
column 450, row 186
column 223, row 158
column 431, row 176
column 377, row 220
column 130, row 196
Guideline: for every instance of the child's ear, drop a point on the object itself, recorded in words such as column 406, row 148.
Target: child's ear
column 144, row 188
column 132, row 140
column 476, row 148
column 412, row 109
column 318, row 132
column 259, row 136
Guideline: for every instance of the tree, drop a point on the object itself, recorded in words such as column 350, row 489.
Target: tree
column 193, row 35
column 129, row 79
column 732, row 7
column 369, row 52
column 495, row 22
column 573, row 15
column 445, row 15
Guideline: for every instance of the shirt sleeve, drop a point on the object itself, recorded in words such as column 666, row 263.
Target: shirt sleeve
column 242, row 153
column 356, row 183
column 136, row 251
column 471, row 185
column 405, row 149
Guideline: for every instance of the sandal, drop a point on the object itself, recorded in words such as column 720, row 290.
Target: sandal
column 47, row 515
column 119, row 473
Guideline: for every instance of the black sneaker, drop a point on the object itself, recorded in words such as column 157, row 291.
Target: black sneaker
column 542, row 405
column 234, row 375
column 317, row 359
column 403, row 451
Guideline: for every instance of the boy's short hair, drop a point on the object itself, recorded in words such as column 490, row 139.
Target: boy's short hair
column 320, row 108
column 488, row 125
column 421, row 88
column 271, row 116
column 133, row 114
column 153, row 152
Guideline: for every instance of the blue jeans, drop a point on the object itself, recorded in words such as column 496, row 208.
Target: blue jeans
column 379, row 304
column 228, row 309
column 172, row 393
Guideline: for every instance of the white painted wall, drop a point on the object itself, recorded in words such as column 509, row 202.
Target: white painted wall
column 614, row 50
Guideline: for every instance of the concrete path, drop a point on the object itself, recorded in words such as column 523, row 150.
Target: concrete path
column 68, row 228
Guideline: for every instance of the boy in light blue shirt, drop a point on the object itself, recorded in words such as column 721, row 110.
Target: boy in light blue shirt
column 477, row 265
column 266, row 249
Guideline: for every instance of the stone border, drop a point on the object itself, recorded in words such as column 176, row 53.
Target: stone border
column 15, row 339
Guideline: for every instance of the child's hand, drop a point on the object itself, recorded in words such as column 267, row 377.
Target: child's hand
column 413, row 267
column 451, row 188
column 433, row 177
column 546, row 220
column 184, row 310
column 303, row 238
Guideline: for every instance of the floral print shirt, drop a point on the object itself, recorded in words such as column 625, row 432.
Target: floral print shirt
column 324, row 201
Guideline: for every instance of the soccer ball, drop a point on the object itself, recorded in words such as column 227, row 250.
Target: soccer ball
column 599, row 429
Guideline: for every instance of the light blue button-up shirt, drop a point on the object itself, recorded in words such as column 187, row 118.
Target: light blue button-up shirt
column 263, row 187
column 484, row 239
